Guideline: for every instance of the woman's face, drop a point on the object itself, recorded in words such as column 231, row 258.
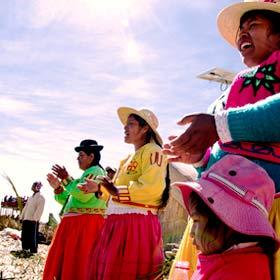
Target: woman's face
column 203, row 240
column 133, row 132
column 255, row 40
column 84, row 160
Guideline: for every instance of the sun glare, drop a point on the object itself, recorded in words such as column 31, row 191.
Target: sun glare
column 132, row 53
column 112, row 5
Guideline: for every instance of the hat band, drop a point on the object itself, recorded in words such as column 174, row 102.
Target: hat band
column 237, row 190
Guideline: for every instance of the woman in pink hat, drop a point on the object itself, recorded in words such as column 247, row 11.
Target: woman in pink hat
column 229, row 207
column 130, row 245
column 249, row 123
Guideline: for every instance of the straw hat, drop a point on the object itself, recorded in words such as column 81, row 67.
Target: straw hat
column 229, row 18
column 238, row 191
column 145, row 114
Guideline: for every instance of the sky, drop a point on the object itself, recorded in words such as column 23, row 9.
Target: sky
column 67, row 65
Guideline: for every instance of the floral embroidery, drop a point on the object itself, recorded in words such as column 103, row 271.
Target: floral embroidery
column 262, row 76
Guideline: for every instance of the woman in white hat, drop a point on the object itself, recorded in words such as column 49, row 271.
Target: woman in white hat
column 249, row 125
column 130, row 244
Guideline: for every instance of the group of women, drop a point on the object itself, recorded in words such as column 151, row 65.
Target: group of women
column 128, row 243
column 237, row 148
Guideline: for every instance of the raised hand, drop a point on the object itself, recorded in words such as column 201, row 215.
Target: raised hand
column 89, row 186
column 187, row 158
column 199, row 135
column 60, row 172
column 53, row 181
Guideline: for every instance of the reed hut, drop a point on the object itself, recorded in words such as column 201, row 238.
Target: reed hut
column 174, row 216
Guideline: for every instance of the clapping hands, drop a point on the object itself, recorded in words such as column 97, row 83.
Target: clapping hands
column 191, row 145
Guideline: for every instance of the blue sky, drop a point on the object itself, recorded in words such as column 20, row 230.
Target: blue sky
column 67, row 65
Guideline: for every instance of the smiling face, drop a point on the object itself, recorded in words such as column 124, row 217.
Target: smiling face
column 85, row 160
column 256, row 40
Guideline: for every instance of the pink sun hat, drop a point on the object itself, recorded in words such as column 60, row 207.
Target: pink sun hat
column 238, row 191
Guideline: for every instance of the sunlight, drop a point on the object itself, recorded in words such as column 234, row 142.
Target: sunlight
column 111, row 5
column 131, row 52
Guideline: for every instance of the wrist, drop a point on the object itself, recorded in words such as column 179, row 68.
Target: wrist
column 59, row 189
column 66, row 181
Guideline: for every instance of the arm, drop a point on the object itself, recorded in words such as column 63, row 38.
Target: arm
column 75, row 191
column 259, row 122
column 40, row 208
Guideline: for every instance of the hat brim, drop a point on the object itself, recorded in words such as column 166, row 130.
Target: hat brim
column 94, row 148
column 125, row 112
column 238, row 215
column 228, row 19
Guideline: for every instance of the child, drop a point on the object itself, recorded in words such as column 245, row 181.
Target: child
column 130, row 244
column 229, row 207
column 250, row 124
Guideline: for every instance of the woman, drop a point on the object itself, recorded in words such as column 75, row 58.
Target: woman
column 249, row 124
column 130, row 244
column 82, row 217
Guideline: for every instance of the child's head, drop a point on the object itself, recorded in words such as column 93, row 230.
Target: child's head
column 253, row 28
column 211, row 236
column 229, row 205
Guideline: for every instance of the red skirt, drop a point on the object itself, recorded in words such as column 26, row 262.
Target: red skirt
column 129, row 247
column 68, row 256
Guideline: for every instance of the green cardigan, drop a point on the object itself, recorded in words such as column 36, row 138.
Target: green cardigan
column 75, row 201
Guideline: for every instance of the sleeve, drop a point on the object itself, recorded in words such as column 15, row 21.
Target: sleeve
column 40, row 208
column 72, row 189
column 259, row 122
column 62, row 195
column 21, row 216
column 151, row 182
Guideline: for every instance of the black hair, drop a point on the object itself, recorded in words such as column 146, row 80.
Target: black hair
column 151, row 135
column 220, row 232
column 271, row 16
column 96, row 158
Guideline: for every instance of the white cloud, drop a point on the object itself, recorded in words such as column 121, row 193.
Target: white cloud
column 138, row 88
column 9, row 105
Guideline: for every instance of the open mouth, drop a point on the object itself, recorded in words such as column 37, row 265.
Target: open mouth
column 245, row 46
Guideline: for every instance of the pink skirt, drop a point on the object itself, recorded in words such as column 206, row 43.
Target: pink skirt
column 69, row 252
column 129, row 247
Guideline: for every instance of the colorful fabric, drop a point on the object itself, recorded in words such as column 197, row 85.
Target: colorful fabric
column 74, row 199
column 129, row 247
column 257, row 123
column 249, row 87
column 140, row 178
column 274, row 218
column 242, row 264
column 69, row 252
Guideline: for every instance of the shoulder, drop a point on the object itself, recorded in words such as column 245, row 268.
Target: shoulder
column 96, row 170
column 40, row 197
column 151, row 148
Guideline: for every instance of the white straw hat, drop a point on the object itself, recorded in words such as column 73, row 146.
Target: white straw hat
column 228, row 19
column 145, row 114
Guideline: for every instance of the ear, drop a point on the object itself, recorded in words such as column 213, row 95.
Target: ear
column 145, row 128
